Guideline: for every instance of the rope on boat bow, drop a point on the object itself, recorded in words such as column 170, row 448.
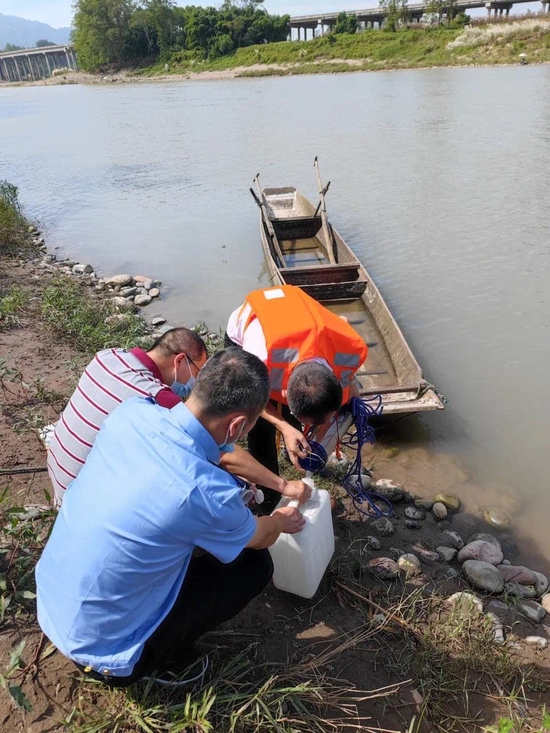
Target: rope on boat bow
column 362, row 410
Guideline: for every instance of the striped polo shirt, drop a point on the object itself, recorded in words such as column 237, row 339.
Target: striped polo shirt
column 113, row 375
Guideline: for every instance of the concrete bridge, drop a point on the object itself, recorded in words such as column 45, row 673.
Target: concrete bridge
column 374, row 17
column 31, row 64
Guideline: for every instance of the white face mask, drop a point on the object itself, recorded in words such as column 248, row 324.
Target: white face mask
column 227, row 447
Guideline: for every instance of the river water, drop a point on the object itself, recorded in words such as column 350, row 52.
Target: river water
column 440, row 184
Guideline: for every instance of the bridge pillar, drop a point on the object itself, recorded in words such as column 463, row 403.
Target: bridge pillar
column 545, row 4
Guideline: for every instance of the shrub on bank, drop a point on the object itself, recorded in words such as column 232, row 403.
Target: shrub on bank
column 13, row 224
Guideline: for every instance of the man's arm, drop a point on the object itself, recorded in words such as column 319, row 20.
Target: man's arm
column 241, row 463
column 295, row 441
column 287, row 520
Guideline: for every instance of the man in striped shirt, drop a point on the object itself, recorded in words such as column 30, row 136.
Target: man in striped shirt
column 114, row 375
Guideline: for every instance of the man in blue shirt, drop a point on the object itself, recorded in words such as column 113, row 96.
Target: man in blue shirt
column 119, row 590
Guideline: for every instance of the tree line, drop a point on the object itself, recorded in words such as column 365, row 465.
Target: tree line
column 120, row 32
column 11, row 47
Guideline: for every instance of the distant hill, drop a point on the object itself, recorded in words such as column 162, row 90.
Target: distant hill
column 26, row 33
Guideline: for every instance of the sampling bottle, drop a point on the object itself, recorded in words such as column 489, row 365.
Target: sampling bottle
column 300, row 559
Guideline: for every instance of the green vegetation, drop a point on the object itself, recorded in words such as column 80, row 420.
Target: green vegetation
column 88, row 325
column 13, row 225
column 372, row 50
column 118, row 32
column 12, row 300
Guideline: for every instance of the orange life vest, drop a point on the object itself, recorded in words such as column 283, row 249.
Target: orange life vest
column 296, row 327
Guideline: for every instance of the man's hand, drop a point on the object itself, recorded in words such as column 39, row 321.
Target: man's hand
column 292, row 520
column 297, row 490
column 296, row 444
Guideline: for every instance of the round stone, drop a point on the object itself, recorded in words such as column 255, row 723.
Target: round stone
column 519, row 591
column 541, row 586
column 412, row 524
column 439, row 510
column 120, row 280
column 545, row 602
column 539, row 641
column 383, row 526
column 383, row 568
column 147, row 284
column 142, row 299
column 388, row 489
column 446, row 553
column 121, row 303
column 517, row 574
column 373, row 543
column 360, row 482
column 412, row 512
column 158, row 321
column 409, row 564
column 451, row 501
column 483, row 576
column 452, row 539
column 464, row 524
column 424, row 504
column 532, row 611
column 497, row 518
column 485, row 537
column 154, row 292
column 480, row 550
column 428, row 556
column 466, row 604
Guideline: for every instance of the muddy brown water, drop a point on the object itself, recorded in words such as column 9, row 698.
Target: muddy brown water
column 439, row 183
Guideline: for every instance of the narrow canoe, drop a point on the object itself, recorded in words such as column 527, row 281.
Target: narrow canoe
column 302, row 248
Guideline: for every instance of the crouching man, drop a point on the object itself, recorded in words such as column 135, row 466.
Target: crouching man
column 119, row 589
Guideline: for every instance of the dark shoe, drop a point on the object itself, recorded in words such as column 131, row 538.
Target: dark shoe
column 182, row 671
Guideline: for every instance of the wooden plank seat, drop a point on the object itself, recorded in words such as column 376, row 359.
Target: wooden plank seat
column 317, row 274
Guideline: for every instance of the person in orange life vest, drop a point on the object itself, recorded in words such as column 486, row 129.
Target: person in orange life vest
column 312, row 356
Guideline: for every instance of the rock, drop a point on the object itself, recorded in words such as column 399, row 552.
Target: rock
column 362, row 481
column 100, row 288
column 466, row 604
column 125, row 292
column 545, row 602
column 147, row 284
column 451, row 501
column 500, row 609
column 541, row 586
column 509, row 547
column 532, row 611
column 464, row 524
column 497, row 518
column 142, row 300
column 452, row 539
column 396, row 552
column 428, row 556
column 114, row 319
column 388, row 489
column 32, row 230
column 412, row 524
column 483, row 575
column 506, row 562
column 485, row 538
column 383, row 526
column 412, row 512
column 498, row 628
column 141, row 279
column 82, row 269
column 517, row 574
column 157, row 283
column 120, row 280
column 480, row 550
column 379, row 619
column 407, row 497
column 424, row 504
column 154, row 293
column 444, row 574
column 121, row 303
column 439, row 510
column 372, row 542
column 410, row 565
column 446, row 553
column 383, row 568
column 158, row 321
column 519, row 591
column 445, row 524
column 539, row 641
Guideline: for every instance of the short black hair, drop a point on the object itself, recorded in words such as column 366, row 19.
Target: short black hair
column 313, row 392
column 232, row 380
column 180, row 341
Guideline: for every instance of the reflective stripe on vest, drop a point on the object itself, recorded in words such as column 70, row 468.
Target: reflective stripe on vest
column 343, row 359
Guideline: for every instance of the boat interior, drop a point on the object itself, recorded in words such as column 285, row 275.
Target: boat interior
column 306, row 242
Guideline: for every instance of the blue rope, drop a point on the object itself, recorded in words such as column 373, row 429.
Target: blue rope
column 362, row 411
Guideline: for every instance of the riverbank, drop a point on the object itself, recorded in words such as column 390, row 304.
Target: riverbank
column 385, row 615
column 489, row 44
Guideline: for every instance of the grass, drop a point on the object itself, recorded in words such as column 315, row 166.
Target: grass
column 69, row 314
column 13, row 225
column 12, row 301
column 498, row 43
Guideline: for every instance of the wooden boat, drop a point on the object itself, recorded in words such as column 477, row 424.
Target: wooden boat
column 302, row 248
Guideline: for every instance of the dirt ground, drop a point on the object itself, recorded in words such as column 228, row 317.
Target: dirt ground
column 277, row 627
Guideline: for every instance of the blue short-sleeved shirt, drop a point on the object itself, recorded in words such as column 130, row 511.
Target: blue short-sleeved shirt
column 150, row 491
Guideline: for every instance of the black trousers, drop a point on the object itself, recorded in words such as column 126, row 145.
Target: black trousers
column 262, row 445
column 212, row 593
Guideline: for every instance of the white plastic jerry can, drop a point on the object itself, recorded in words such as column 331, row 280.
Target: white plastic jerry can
column 300, row 559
